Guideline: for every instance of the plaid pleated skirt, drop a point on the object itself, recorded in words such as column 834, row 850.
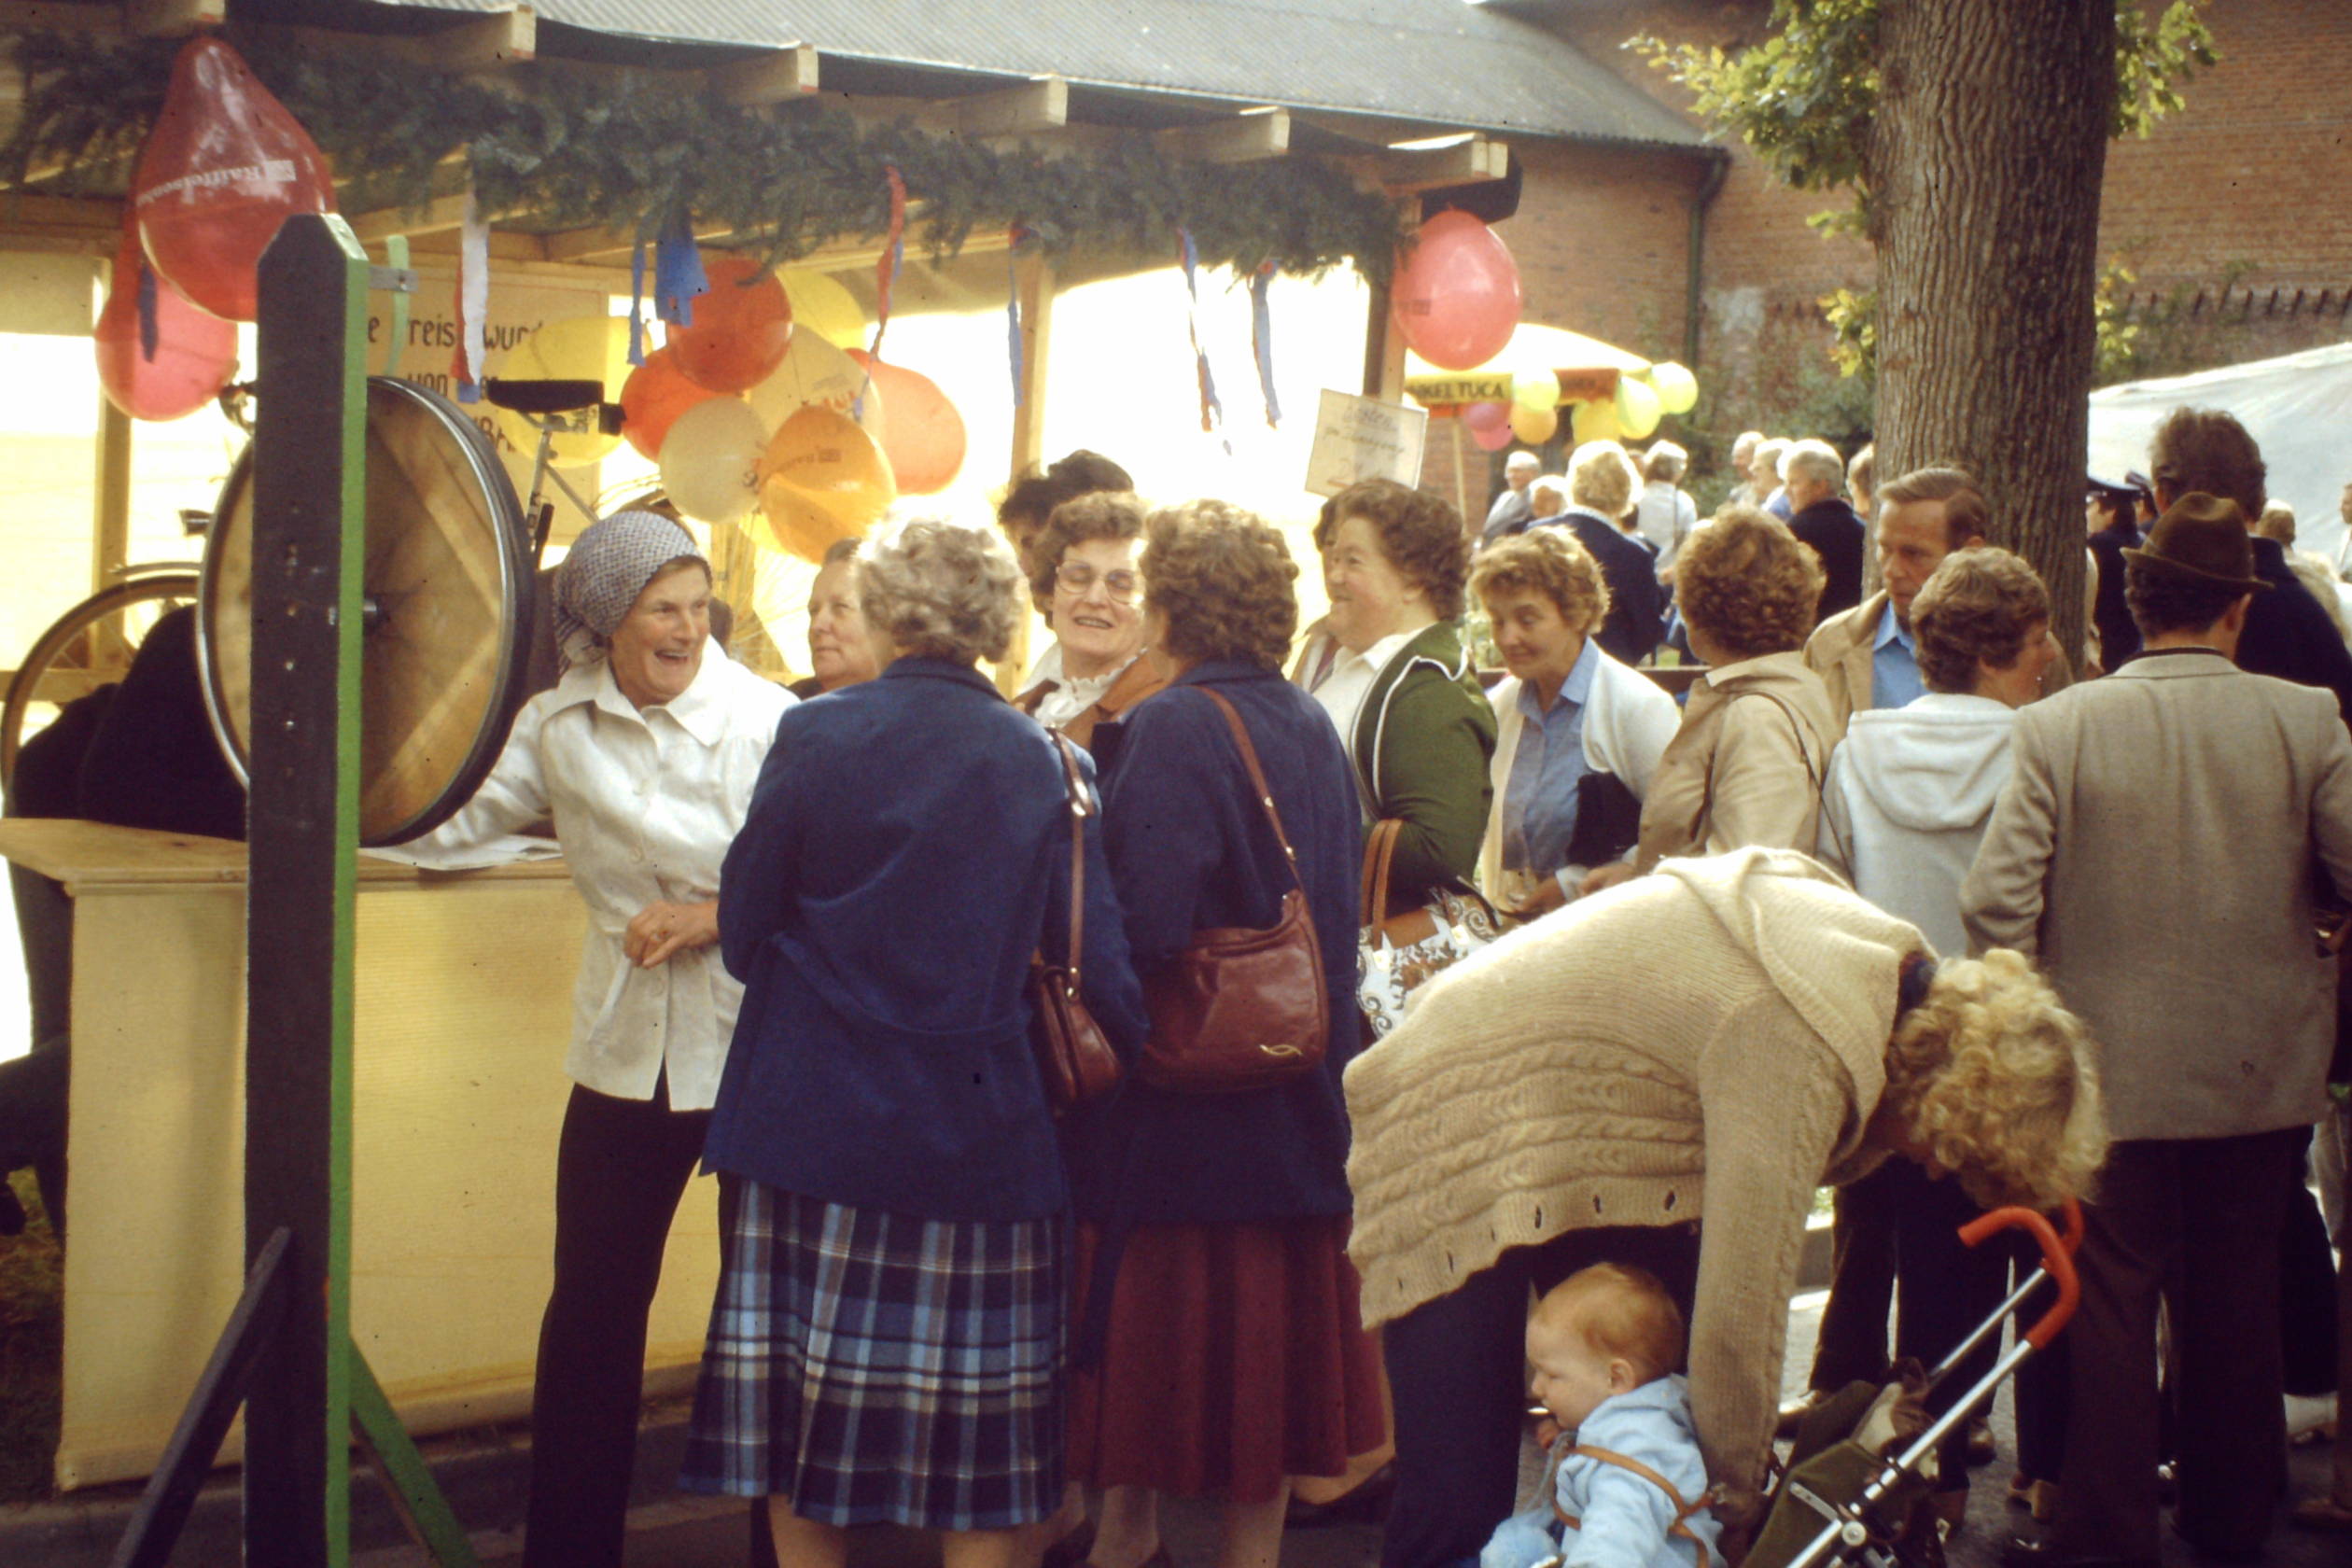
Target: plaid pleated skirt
column 877, row 1368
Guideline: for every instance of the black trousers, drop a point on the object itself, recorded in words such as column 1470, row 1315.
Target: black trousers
column 1852, row 1346
column 1457, row 1371
column 2213, row 1209
column 621, row 1169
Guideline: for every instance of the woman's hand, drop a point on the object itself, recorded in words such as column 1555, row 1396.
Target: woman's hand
column 1604, row 876
column 1542, row 899
column 663, row 930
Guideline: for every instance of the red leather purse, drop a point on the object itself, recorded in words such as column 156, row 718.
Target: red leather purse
column 1074, row 1060
column 1240, row 1009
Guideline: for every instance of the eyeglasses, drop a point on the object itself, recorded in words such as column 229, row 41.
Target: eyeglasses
column 1076, row 577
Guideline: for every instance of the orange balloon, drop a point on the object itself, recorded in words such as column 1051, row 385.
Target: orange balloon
column 655, row 394
column 740, row 331
column 924, row 435
column 822, row 478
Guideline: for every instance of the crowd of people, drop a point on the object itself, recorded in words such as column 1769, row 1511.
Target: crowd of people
column 1886, row 901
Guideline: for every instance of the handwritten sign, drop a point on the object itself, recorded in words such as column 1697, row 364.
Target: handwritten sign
column 1362, row 438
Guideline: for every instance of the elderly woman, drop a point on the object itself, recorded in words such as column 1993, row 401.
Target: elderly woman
column 1746, row 765
column 886, row 1341
column 1025, row 508
column 1666, row 512
column 1082, row 570
column 1601, row 495
column 1578, row 735
column 1387, row 665
column 645, row 752
column 1908, row 797
column 1710, row 1043
column 839, row 653
column 1223, row 1217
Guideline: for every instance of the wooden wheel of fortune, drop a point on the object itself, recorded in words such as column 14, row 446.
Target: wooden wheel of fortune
column 446, row 591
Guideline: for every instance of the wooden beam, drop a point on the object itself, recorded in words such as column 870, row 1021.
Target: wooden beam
column 1250, row 138
column 589, row 245
column 171, row 18
column 441, row 213
column 1464, row 162
column 1022, row 109
column 43, row 16
column 110, row 543
column 778, row 76
column 483, row 43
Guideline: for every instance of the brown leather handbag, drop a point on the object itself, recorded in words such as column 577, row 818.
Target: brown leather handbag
column 1240, row 1009
column 1074, row 1060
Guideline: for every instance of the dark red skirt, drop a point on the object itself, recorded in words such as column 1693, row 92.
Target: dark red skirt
column 1235, row 1356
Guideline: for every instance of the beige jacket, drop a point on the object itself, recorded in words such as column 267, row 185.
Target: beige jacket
column 2153, row 853
column 1746, row 765
column 1708, row 1041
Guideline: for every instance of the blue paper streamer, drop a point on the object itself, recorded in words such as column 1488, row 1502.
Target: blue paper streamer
column 636, row 301
column 677, row 271
column 149, row 335
column 1262, row 343
column 1211, row 409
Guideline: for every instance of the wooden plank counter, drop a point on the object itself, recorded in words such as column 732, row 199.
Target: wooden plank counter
column 462, row 1014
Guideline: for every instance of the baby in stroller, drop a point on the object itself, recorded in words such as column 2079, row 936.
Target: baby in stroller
column 1624, row 1485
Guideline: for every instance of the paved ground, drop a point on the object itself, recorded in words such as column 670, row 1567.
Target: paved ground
column 483, row 1476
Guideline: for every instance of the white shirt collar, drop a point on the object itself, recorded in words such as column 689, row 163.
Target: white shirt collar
column 700, row 709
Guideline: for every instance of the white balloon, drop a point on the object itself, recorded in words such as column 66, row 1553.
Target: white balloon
column 710, row 460
column 814, row 373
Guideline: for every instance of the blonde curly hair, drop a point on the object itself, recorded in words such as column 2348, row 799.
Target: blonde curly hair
column 1747, row 584
column 940, row 590
column 1545, row 561
column 1993, row 1079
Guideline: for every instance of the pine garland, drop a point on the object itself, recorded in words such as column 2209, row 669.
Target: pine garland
column 631, row 152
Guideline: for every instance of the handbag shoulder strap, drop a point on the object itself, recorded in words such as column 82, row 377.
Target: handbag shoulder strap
column 1074, row 783
column 1380, row 851
column 1257, row 778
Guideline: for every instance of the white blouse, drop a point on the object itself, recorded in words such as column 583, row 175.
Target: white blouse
column 645, row 805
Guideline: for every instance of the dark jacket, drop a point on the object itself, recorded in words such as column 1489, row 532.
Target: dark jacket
column 1191, row 850
column 2288, row 635
column 1637, row 605
column 2119, row 634
column 906, row 851
column 1835, row 534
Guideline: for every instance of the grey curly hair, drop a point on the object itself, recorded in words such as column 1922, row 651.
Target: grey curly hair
column 940, row 591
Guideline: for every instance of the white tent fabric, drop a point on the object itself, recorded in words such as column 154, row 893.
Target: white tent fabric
column 2299, row 407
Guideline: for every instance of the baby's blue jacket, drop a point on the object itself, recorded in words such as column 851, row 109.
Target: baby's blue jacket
column 1624, row 1519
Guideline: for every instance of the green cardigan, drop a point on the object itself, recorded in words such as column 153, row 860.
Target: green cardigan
column 1422, row 742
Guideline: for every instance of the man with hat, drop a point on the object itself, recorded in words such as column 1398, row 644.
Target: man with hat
column 2153, row 853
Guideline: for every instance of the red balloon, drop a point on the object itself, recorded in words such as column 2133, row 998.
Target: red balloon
column 655, row 394
column 1486, row 418
column 922, row 432
column 195, row 352
column 223, row 168
column 1456, row 296
column 741, row 328
column 1495, row 439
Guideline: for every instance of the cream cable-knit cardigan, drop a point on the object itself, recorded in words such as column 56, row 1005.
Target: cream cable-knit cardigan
column 1705, row 1043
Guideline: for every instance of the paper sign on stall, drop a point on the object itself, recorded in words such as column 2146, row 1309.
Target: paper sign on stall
column 1363, row 438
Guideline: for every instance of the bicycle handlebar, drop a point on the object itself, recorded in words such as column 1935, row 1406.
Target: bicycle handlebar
column 2057, row 1259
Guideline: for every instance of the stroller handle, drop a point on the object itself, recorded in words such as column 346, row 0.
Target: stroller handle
column 2057, row 1259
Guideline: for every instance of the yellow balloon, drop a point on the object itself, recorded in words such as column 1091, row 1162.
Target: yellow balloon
column 1535, row 425
column 816, row 374
column 822, row 478
column 710, row 460
column 824, row 307
column 1595, row 422
column 1536, row 392
column 585, row 348
column 1637, row 408
column 1677, row 388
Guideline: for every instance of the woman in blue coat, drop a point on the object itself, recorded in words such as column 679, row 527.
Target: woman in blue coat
column 1215, row 1284
column 887, row 1345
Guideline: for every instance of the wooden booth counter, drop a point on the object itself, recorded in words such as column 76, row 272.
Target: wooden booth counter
column 462, row 1013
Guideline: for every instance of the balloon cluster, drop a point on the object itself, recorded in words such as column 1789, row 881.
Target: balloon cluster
column 763, row 402
column 1533, row 415
column 225, row 165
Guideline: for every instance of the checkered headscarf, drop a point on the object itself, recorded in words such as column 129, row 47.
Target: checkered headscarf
column 608, row 567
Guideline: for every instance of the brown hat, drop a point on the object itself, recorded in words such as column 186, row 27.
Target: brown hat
column 2203, row 537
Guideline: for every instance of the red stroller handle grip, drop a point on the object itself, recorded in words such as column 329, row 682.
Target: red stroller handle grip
column 2057, row 1260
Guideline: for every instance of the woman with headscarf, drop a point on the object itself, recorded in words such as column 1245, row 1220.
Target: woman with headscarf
column 645, row 753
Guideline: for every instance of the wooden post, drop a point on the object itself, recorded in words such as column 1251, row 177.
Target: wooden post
column 1036, row 274
column 111, row 546
column 309, row 518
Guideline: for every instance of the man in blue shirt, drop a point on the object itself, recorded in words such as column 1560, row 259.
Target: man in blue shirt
column 1866, row 656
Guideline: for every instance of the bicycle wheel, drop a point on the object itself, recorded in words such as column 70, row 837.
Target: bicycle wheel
column 90, row 646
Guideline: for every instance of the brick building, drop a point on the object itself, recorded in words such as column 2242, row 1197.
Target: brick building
column 2227, row 216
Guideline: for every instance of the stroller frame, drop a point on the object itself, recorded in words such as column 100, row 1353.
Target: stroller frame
column 1847, row 1537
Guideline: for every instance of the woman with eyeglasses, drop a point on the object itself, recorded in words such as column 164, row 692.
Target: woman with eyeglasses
column 1082, row 571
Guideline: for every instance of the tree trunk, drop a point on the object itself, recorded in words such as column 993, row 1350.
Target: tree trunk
column 1984, row 166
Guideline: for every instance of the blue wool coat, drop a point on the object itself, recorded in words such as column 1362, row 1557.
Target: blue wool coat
column 906, row 851
column 1190, row 848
